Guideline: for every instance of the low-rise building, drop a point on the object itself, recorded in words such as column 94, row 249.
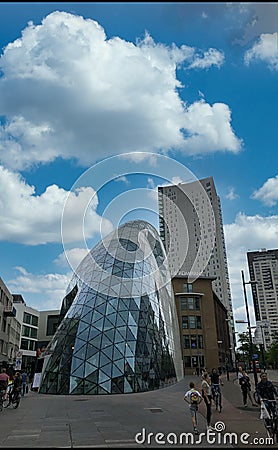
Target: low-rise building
column 9, row 328
column 203, row 322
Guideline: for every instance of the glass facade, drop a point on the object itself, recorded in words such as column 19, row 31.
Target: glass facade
column 119, row 331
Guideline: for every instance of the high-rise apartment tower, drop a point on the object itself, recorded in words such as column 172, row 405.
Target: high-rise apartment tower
column 191, row 228
column 263, row 268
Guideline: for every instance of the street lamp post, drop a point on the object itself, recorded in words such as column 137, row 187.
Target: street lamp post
column 249, row 327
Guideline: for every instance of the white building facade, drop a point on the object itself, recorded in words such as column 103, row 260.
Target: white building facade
column 263, row 268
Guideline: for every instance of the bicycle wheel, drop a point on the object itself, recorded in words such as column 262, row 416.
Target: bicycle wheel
column 268, row 423
column 220, row 403
column 16, row 400
column 216, row 400
column 275, row 437
column 255, row 397
column 5, row 403
column 16, row 403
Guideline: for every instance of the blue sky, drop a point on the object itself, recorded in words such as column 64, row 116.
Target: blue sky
column 102, row 102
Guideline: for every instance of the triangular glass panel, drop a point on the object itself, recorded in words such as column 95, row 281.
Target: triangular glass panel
column 118, row 354
column 89, row 368
column 94, row 332
column 88, row 318
column 107, row 324
column 120, row 321
column 79, row 372
column 110, row 334
column 127, row 387
column 103, row 360
column 131, row 362
column 124, row 315
column 80, row 353
column 107, row 369
column 108, row 351
column 84, row 334
column 122, row 331
column 91, row 350
column 131, row 320
column 131, row 333
column 102, row 376
column 116, row 372
column 106, row 387
column 99, row 324
column 94, row 360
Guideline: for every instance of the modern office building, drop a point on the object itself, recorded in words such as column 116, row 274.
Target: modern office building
column 203, row 321
column 28, row 318
column 263, row 268
column 120, row 331
column 191, row 229
column 48, row 323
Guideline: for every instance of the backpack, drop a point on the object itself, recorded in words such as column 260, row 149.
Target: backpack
column 194, row 398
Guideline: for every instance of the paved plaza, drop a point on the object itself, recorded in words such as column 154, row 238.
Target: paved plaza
column 113, row 421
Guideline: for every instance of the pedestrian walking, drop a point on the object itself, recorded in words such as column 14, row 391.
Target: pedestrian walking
column 207, row 396
column 24, row 379
column 245, row 385
column 193, row 398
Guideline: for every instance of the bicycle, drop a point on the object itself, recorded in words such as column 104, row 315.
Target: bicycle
column 256, row 397
column 217, row 396
column 13, row 400
column 271, row 424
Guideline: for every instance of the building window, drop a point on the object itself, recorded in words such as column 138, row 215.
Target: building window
column 30, row 319
column 52, row 324
column 26, row 344
column 183, row 303
column 184, row 322
column 186, row 341
column 187, row 361
column 194, row 361
column 29, row 332
column 188, row 287
column 190, row 303
column 192, row 322
column 200, row 341
column 199, row 322
column 194, row 341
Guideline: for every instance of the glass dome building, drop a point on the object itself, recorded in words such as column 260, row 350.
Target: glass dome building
column 119, row 330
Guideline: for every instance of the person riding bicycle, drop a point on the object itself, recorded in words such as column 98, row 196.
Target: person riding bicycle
column 216, row 381
column 4, row 380
column 266, row 393
column 16, row 387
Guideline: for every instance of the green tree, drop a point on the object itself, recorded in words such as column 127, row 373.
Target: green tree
column 245, row 349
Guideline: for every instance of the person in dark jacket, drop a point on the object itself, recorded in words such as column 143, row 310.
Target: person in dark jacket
column 245, row 385
column 267, row 392
column 16, row 387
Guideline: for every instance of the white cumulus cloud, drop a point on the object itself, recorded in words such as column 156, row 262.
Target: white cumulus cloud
column 264, row 49
column 268, row 193
column 67, row 91
column 33, row 219
column 51, row 288
column 247, row 234
column 210, row 58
